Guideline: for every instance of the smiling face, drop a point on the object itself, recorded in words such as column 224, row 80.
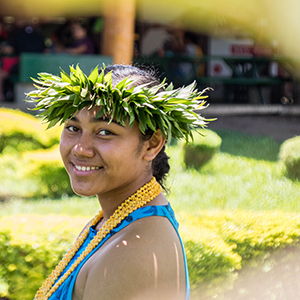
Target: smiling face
column 107, row 160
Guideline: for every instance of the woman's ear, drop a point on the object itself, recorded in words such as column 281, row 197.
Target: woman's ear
column 154, row 145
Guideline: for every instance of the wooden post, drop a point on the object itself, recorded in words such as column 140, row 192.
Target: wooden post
column 119, row 21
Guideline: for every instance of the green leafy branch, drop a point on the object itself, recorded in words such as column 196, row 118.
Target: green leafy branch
column 58, row 98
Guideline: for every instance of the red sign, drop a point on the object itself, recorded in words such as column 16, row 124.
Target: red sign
column 241, row 49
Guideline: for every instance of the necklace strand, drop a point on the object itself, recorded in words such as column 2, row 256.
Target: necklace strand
column 142, row 196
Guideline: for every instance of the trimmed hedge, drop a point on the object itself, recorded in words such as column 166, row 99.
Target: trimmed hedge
column 202, row 149
column 30, row 248
column 20, row 131
column 38, row 171
column 46, row 172
column 221, row 242
column 34, row 174
column 289, row 155
column 217, row 244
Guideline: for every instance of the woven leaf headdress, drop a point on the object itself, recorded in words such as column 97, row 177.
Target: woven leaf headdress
column 58, row 98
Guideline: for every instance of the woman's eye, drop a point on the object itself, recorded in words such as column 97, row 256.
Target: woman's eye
column 72, row 128
column 105, row 132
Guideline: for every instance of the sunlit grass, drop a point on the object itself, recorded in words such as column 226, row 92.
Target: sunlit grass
column 252, row 180
column 73, row 206
column 232, row 182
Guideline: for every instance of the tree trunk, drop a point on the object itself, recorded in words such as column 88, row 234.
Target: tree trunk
column 118, row 40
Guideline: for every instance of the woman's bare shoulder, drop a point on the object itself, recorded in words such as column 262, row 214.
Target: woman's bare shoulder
column 144, row 259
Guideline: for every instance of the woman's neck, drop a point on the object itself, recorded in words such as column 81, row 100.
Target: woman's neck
column 110, row 201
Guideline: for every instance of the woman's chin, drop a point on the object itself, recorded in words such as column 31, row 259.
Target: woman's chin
column 83, row 193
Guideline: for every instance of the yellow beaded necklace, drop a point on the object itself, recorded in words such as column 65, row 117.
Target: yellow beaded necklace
column 142, row 196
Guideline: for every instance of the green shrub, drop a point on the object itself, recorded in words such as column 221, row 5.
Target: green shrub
column 289, row 155
column 25, row 267
column 20, row 131
column 202, row 149
column 220, row 242
column 45, row 172
column 30, row 248
column 34, row 174
column 217, row 243
column 12, row 184
column 204, row 263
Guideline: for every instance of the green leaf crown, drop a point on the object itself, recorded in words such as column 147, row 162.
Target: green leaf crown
column 158, row 107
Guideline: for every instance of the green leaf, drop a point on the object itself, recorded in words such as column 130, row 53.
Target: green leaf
column 64, row 76
column 170, row 87
column 76, row 100
column 121, row 85
column 94, row 75
column 83, row 93
column 84, row 104
column 107, row 77
column 52, row 123
column 116, row 94
column 150, row 123
column 75, row 89
column 131, row 117
column 68, row 113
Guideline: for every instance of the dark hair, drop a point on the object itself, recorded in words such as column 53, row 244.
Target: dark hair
column 141, row 76
column 160, row 164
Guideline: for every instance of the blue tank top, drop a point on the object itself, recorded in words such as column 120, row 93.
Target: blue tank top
column 65, row 291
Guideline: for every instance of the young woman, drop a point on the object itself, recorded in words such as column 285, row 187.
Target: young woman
column 112, row 145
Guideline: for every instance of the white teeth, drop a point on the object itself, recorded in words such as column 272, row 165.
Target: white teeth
column 79, row 168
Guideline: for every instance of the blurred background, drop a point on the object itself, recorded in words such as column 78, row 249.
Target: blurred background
column 247, row 51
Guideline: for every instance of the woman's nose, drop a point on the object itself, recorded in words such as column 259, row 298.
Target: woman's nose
column 84, row 147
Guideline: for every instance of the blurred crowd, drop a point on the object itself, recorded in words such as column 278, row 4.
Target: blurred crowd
column 84, row 37
column 21, row 36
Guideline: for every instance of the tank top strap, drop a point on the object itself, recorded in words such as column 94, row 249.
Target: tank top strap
column 157, row 210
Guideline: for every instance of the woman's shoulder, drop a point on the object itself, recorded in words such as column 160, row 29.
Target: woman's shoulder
column 147, row 253
column 155, row 224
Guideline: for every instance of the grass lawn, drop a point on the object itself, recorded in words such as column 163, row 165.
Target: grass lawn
column 244, row 175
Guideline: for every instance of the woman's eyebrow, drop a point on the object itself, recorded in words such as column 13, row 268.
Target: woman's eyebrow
column 96, row 120
column 73, row 119
column 104, row 119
